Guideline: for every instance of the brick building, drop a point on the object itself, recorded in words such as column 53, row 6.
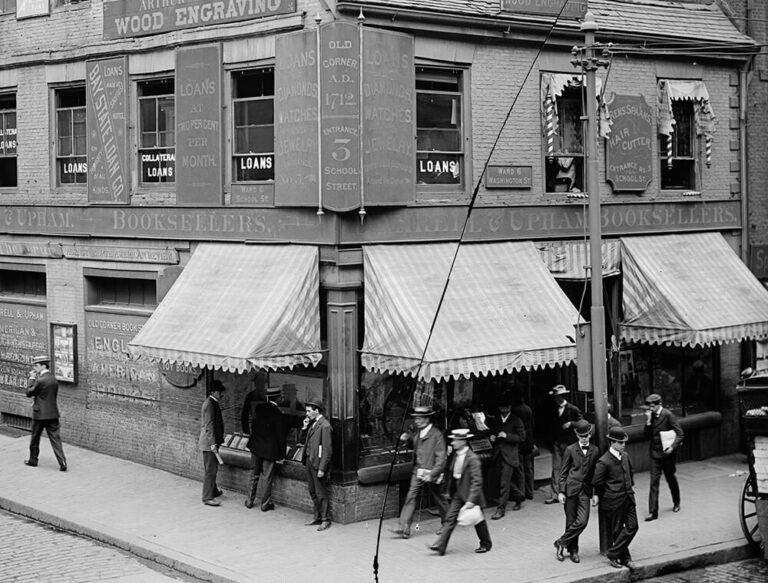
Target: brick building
column 272, row 192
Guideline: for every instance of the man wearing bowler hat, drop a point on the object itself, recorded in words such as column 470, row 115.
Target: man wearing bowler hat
column 575, row 488
column 565, row 415
column 43, row 387
column 613, row 483
column 508, row 434
column 465, row 486
column 318, row 449
column 429, row 455
column 663, row 456
column 211, row 437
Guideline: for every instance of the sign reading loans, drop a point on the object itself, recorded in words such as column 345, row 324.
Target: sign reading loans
column 629, row 160
column 130, row 18
column 572, row 9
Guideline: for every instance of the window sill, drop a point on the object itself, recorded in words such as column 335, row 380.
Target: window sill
column 27, row 301
column 120, row 310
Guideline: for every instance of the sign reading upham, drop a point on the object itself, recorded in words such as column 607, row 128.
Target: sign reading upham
column 130, row 18
column 629, row 160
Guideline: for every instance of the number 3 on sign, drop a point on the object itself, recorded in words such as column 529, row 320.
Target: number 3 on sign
column 341, row 153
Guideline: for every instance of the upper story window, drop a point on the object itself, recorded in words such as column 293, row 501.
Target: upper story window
column 562, row 104
column 676, row 151
column 8, row 140
column 121, row 292
column 157, row 131
column 253, row 105
column 22, row 284
column 439, row 127
column 71, row 152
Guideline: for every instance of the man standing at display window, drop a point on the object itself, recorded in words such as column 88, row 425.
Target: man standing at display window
column 565, row 415
column 665, row 434
column 211, row 437
column 508, row 434
column 429, row 455
column 42, row 385
column 525, row 448
column 576, row 489
column 318, row 449
column 613, row 483
column 262, row 419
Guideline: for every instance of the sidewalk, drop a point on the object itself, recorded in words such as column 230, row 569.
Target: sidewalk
column 159, row 516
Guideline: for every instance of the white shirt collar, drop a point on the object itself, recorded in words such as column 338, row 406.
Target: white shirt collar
column 423, row 432
column 616, row 454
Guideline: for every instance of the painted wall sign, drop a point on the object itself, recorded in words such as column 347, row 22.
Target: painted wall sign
column 24, row 249
column 573, row 8
column 131, row 18
column 125, row 254
column 296, row 138
column 23, row 335
column 628, row 153
column 182, row 376
column 509, row 177
column 758, row 261
column 198, row 125
column 108, row 174
column 30, row 8
column 388, row 118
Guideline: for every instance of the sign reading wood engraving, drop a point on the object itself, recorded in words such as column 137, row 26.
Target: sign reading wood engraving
column 198, row 125
column 564, row 8
column 296, row 138
column 628, row 155
column 509, row 177
column 23, row 335
column 129, row 18
column 106, row 85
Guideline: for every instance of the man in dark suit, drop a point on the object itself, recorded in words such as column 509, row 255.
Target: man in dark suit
column 525, row 448
column 318, row 450
column 43, row 387
column 262, row 419
column 507, row 434
column 429, row 455
column 465, row 486
column 564, row 416
column 575, row 488
column 211, row 437
column 613, row 483
column 663, row 459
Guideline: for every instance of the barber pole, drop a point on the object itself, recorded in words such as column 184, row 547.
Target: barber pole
column 708, row 150
column 669, row 151
column 549, row 111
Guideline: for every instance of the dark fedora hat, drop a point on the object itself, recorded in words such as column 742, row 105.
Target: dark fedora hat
column 315, row 404
column 617, row 434
column 216, row 385
column 422, row 411
column 582, row 427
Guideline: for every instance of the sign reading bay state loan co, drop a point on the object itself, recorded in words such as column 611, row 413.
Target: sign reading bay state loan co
column 628, row 155
column 106, row 86
column 130, row 18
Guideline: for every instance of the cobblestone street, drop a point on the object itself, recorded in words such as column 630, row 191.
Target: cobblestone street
column 751, row 571
column 36, row 553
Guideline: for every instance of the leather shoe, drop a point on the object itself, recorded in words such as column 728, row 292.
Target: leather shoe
column 651, row 517
column 267, row 507
column 551, row 501
column 324, row 526
column 218, row 492
column 63, row 468
column 498, row 514
column 406, row 533
column 575, row 557
column 629, row 564
column 248, row 503
column 615, row 564
column 559, row 553
column 517, row 506
column 437, row 549
column 211, row 502
column 30, row 464
column 314, row 522
column 482, row 549
column 676, row 507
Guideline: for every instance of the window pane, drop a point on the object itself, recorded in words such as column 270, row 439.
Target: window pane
column 437, row 111
column 8, row 172
column 64, row 123
column 147, row 115
column 165, row 114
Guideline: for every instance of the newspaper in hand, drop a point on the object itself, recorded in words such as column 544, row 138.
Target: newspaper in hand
column 667, row 438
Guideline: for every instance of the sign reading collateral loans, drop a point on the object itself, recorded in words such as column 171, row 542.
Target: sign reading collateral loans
column 572, row 9
column 130, row 18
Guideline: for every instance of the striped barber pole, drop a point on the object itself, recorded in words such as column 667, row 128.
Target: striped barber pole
column 708, row 150
column 669, row 151
column 549, row 112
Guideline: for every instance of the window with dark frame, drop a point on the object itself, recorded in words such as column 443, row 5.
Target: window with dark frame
column 7, row 7
column 439, row 127
column 8, row 163
column 157, row 131
column 682, row 173
column 27, row 284
column 122, row 292
column 565, row 169
column 71, row 137
column 253, row 106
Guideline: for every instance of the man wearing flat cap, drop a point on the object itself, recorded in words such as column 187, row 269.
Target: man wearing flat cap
column 429, row 455
column 211, row 437
column 318, row 449
column 564, row 416
column 43, row 387
column 575, row 487
column 613, row 484
column 660, row 422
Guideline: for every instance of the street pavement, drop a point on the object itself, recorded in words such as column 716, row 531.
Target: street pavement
column 749, row 571
column 159, row 516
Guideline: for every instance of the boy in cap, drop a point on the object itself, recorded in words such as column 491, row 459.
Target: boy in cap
column 211, row 437
column 565, row 415
column 43, row 387
column 663, row 459
column 613, row 483
column 429, row 455
column 575, row 489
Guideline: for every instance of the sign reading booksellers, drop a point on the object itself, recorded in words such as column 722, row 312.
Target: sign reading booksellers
column 130, row 18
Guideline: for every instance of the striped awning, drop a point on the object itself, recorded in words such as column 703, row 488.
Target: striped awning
column 570, row 259
column 238, row 308
column 502, row 310
column 689, row 290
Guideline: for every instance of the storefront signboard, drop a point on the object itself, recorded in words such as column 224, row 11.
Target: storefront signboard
column 509, row 177
column 628, row 154
column 296, row 137
column 572, row 8
column 182, row 376
column 23, row 335
column 125, row 254
column 30, row 8
column 132, row 18
column 25, row 249
column 106, row 86
column 758, row 261
column 198, row 125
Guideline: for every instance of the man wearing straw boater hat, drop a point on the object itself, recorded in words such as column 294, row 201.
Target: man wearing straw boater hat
column 429, row 455
column 613, row 484
column 43, row 387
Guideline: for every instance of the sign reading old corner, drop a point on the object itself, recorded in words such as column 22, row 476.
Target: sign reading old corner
column 130, row 18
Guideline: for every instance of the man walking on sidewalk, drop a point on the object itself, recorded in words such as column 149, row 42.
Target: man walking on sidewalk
column 613, row 483
column 508, row 434
column 318, row 450
column 576, row 489
column 565, row 415
column 42, row 385
column 211, row 437
column 660, row 422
